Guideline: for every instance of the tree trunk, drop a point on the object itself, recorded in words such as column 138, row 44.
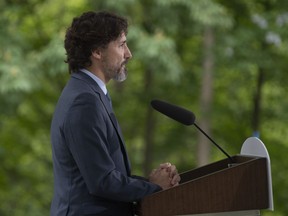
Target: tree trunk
column 149, row 127
column 203, row 148
column 257, row 103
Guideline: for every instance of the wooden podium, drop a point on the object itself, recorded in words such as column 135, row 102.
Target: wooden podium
column 218, row 188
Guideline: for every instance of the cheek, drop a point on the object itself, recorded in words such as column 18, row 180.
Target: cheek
column 121, row 53
column 116, row 58
column 120, row 58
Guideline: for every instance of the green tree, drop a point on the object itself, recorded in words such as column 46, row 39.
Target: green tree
column 32, row 73
column 248, row 59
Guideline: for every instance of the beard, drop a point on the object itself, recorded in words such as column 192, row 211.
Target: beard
column 121, row 74
column 118, row 73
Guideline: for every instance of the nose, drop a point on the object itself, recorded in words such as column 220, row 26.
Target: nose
column 128, row 54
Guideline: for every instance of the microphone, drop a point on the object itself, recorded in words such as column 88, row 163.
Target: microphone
column 183, row 116
column 177, row 113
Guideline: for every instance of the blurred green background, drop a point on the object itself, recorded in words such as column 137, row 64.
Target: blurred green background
column 224, row 60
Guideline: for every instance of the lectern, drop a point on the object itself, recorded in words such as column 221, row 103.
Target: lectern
column 222, row 188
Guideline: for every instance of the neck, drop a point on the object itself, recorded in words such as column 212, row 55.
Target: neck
column 97, row 72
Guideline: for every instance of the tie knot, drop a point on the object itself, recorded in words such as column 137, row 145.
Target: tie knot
column 109, row 99
column 108, row 96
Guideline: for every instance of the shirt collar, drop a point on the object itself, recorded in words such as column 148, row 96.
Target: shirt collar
column 97, row 80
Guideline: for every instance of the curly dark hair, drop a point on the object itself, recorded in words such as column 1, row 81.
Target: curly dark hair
column 90, row 31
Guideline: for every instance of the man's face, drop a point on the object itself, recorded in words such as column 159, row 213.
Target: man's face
column 115, row 58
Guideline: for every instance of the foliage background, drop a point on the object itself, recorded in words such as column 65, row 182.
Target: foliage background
column 225, row 60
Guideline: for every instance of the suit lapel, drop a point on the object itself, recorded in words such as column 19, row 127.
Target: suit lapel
column 109, row 110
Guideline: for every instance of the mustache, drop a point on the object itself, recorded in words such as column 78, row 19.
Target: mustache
column 124, row 62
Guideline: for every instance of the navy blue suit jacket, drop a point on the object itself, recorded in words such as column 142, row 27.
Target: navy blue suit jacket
column 91, row 166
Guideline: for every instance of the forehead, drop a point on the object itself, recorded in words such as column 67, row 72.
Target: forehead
column 122, row 37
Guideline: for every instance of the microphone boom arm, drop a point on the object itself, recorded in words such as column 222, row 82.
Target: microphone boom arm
column 183, row 116
column 219, row 147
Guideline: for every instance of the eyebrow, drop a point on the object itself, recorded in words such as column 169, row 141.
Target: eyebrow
column 123, row 40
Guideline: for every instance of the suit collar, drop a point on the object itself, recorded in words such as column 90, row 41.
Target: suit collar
column 100, row 83
column 94, row 85
column 86, row 78
column 96, row 88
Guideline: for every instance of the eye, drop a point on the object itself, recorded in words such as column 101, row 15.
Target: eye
column 123, row 44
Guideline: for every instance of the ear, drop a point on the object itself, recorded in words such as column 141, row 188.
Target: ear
column 96, row 54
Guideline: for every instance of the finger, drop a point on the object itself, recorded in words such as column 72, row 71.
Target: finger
column 153, row 172
column 165, row 165
column 175, row 184
column 175, row 180
column 173, row 171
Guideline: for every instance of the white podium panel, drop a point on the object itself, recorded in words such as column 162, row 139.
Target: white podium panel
column 255, row 147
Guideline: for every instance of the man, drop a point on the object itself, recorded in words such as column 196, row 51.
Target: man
column 91, row 167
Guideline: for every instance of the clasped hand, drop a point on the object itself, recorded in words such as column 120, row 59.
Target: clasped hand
column 166, row 176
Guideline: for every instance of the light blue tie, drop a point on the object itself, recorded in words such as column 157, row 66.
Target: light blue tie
column 109, row 99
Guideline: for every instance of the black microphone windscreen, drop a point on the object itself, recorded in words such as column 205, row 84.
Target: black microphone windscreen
column 177, row 113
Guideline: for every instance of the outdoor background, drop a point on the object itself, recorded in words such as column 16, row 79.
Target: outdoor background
column 225, row 60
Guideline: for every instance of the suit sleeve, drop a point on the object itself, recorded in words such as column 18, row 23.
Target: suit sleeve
column 85, row 129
